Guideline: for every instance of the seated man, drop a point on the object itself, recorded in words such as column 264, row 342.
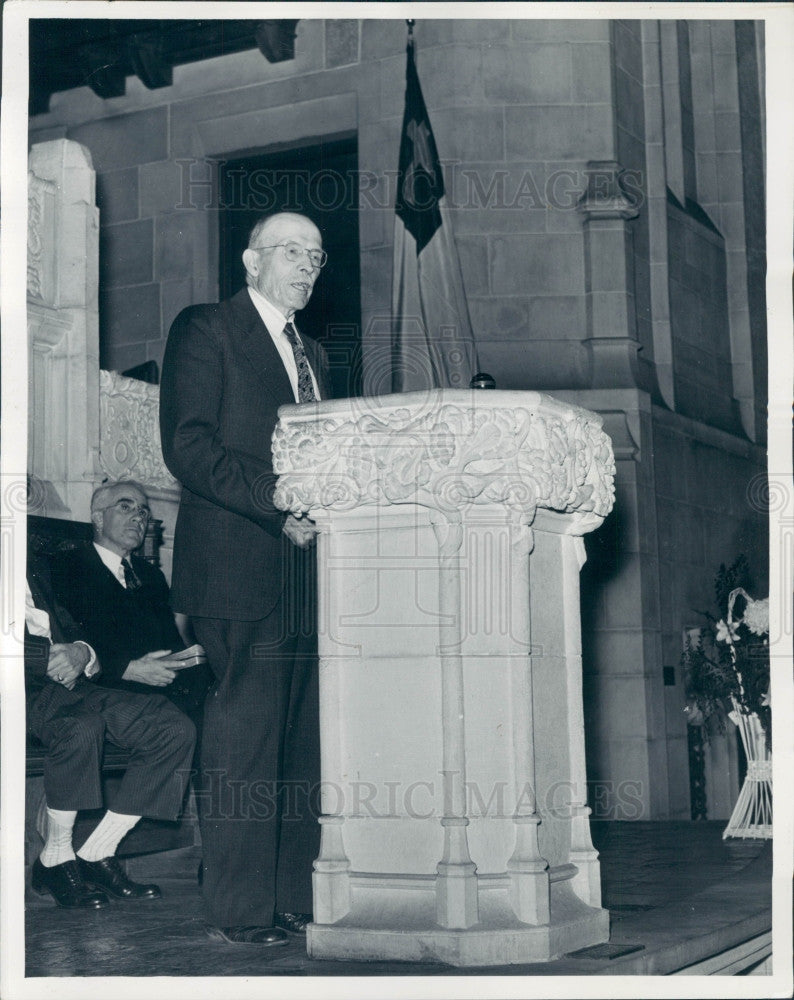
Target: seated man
column 120, row 603
column 71, row 716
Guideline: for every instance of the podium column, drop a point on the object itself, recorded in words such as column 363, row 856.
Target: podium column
column 450, row 671
column 456, row 879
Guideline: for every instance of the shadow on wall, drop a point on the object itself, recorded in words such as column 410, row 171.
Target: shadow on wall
column 606, row 556
column 745, row 542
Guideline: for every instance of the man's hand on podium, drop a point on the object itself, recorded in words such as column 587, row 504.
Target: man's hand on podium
column 301, row 531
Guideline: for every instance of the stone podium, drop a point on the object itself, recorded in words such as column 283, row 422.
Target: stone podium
column 454, row 818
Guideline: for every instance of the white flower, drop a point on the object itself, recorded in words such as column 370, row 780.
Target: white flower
column 694, row 714
column 766, row 701
column 726, row 633
column 756, row 616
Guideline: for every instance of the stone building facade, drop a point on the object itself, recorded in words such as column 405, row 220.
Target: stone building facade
column 606, row 187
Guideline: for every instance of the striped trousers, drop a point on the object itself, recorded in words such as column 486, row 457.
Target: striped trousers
column 73, row 726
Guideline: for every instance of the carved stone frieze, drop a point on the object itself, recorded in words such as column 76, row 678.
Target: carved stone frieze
column 129, row 431
column 444, row 450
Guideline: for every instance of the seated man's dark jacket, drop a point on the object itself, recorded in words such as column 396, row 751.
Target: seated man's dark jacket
column 62, row 628
column 63, row 720
column 123, row 624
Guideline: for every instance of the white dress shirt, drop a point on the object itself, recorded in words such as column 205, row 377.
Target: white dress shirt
column 113, row 562
column 275, row 322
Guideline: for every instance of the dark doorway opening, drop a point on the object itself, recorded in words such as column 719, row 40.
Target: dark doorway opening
column 319, row 181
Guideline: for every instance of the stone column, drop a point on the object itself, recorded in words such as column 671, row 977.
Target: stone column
column 63, row 330
column 609, row 276
column 455, row 824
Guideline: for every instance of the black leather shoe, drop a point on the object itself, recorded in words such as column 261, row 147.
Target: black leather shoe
column 295, row 923
column 66, row 886
column 265, row 936
column 108, row 875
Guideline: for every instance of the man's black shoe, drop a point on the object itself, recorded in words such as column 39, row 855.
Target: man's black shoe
column 265, row 936
column 66, row 886
column 109, row 876
column 295, row 923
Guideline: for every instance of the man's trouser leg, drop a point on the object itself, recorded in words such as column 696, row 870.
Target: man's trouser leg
column 245, row 720
column 73, row 724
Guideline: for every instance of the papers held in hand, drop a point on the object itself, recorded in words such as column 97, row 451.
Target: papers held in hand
column 190, row 657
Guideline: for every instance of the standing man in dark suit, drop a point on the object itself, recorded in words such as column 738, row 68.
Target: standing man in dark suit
column 238, row 563
column 120, row 602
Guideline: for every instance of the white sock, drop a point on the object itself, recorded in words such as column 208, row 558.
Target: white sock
column 102, row 843
column 58, row 846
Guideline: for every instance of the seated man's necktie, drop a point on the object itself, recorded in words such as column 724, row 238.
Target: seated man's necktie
column 131, row 578
column 306, row 393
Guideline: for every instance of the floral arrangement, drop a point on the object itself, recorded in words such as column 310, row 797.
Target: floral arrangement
column 726, row 663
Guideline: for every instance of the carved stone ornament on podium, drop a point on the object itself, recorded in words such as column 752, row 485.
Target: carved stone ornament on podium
column 454, row 818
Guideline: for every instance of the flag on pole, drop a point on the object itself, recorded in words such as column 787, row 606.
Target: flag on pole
column 432, row 341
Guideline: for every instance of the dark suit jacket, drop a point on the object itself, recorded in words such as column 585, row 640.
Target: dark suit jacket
column 63, row 628
column 120, row 624
column 222, row 384
column 43, row 696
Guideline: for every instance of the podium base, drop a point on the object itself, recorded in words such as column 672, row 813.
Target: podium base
column 389, row 923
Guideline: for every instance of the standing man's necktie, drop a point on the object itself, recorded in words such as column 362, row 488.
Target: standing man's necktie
column 306, row 393
column 131, row 578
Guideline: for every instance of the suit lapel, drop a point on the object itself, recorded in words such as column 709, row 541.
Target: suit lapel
column 251, row 334
column 258, row 346
column 105, row 579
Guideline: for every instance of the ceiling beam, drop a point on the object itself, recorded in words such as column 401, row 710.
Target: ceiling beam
column 72, row 52
column 276, row 40
column 149, row 60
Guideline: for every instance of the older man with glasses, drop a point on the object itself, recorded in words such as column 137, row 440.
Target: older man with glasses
column 238, row 567
column 120, row 602
column 72, row 715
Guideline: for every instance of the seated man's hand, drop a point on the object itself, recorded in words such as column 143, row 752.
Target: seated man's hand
column 301, row 531
column 67, row 661
column 155, row 668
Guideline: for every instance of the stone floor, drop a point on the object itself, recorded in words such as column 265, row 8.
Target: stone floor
column 676, row 892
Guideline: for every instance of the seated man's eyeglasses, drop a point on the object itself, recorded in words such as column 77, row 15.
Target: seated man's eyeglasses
column 129, row 507
column 294, row 251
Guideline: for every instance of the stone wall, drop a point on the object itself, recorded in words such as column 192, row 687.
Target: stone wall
column 651, row 315
column 517, row 108
column 708, row 487
column 688, row 498
column 698, row 294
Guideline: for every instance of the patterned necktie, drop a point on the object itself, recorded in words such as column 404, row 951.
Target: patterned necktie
column 131, row 578
column 306, row 393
